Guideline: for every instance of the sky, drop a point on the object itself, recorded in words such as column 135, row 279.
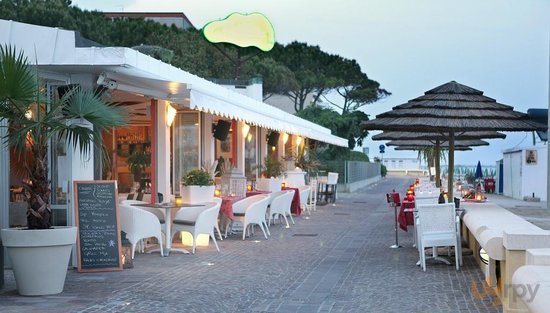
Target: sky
column 498, row 46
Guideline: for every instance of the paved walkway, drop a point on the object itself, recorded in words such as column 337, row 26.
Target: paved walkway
column 336, row 260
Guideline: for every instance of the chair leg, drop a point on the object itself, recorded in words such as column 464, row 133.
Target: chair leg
column 194, row 242
column 262, row 228
column 291, row 219
column 286, row 221
column 227, row 227
column 219, row 232
column 133, row 250
column 244, row 230
column 215, row 243
column 266, row 228
column 159, row 238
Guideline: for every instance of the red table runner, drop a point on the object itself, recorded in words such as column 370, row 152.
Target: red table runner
column 406, row 218
column 295, row 206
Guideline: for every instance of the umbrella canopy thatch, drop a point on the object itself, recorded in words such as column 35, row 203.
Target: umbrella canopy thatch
column 459, row 148
column 429, row 143
column 452, row 108
column 398, row 135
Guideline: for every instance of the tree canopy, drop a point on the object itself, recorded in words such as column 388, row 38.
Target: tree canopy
column 304, row 73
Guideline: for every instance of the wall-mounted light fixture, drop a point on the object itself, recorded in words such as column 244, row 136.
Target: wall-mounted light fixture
column 249, row 137
column 170, row 115
column 298, row 140
column 245, row 129
column 285, row 138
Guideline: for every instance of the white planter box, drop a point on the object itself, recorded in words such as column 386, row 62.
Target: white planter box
column 197, row 194
column 269, row 184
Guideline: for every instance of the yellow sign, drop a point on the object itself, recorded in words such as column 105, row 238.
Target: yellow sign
column 243, row 30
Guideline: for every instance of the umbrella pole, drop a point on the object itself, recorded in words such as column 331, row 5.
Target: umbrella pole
column 437, row 160
column 450, row 184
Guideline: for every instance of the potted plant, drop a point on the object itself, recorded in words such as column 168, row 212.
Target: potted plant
column 197, row 186
column 39, row 252
column 271, row 171
column 138, row 162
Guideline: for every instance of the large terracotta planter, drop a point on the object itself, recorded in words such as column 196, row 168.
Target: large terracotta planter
column 39, row 258
column 197, row 194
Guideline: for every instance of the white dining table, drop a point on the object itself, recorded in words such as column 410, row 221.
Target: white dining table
column 168, row 207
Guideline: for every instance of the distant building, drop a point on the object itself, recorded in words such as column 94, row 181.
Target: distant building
column 404, row 166
column 166, row 18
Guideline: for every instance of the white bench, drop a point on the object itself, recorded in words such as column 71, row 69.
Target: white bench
column 505, row 237
column 532, row 281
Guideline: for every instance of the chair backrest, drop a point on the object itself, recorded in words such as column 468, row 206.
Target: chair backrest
column 269, row 184
column 274, row 195
column 304, row 194
column 256, row 210
column 208, row 219
column 437, row 217
column 242, row 205
column 138, row 224
column 282, row 201
column 426, row 200
column 332, row 178
column 159, row 213
column 314, row 185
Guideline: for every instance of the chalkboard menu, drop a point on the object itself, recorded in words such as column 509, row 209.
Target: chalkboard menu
column 96, row 212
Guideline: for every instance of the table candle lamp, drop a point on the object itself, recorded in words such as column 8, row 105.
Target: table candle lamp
column 178, row 200
column 283, row 185
column 479, row 196
column 217, row 193
column 410, row 197
column 248, row 187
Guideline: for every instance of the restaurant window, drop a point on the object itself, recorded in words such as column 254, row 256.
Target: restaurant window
column 128, row 158
column 185, row 146
column 224, row 145
column 251, row 153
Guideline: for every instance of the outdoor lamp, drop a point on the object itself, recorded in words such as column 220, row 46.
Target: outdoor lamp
column 245, row 129
column 479, row 196
column 410, row 197
column 248, row 187
column 126, row 252
column 285, row 138
column 178, row 200
column 298, row 140
column 283, row 185
column 217, row 192
column 249, row 137
column 170, row 115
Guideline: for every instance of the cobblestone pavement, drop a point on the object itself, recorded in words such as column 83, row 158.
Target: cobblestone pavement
column 336, row 260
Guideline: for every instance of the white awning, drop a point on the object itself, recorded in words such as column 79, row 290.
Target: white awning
column 130, row 70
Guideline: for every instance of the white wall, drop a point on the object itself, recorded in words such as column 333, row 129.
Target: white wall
column 534, row 175
column 522, row 179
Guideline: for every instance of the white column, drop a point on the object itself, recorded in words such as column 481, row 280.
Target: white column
column 207, row 139
column 162, row 133
column 240, row 146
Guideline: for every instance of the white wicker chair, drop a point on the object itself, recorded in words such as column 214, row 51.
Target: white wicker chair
column 250, row 211
column 304, row 198
column 139, row 224
column 159, row 213
column 280, row 206
column 197, row 221
column 437, row 225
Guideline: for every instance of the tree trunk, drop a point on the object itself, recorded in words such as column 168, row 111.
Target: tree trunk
column 39, row 215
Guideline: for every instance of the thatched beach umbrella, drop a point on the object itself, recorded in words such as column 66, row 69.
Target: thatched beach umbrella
column 437, row 138
column 415, row 148
column 429, row 143
column 452, row 108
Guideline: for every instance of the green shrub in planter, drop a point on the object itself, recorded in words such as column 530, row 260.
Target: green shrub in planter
column 197, row 178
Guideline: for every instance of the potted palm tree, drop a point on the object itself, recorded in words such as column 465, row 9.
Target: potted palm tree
column 40, row 252
column 197, row 186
